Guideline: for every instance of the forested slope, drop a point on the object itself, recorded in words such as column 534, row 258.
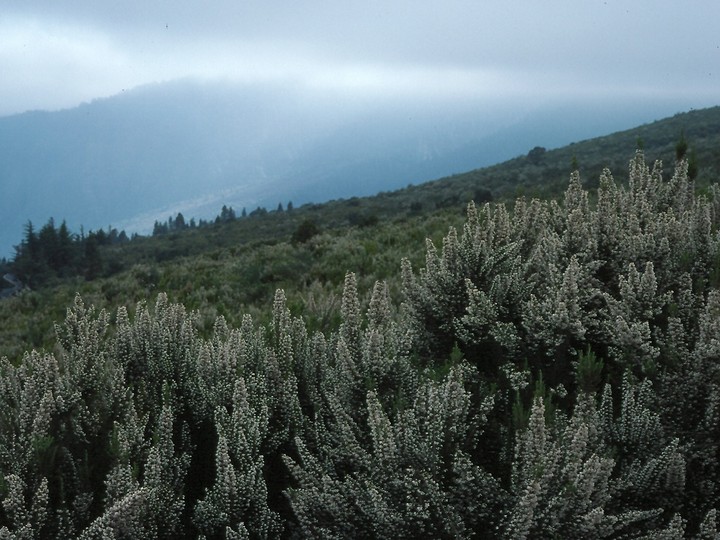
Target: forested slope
column 550, row 370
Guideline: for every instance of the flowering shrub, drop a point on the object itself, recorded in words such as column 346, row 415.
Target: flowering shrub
column 551, row 372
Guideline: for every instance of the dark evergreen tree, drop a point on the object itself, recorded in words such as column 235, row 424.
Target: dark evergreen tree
column 535, row 156
column 305, row 231
column 179, row 222
column 159, row 228
column 226, row 214
column 92, row 260
column 65, row 258
column 681, row 147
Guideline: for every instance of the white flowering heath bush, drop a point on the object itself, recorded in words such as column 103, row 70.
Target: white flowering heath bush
column 552, row 372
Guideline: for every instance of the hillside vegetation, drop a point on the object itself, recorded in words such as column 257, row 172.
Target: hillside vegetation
column 534, row 369
column 234, row 266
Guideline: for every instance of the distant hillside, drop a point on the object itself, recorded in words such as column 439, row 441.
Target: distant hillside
column 537, row 173
column 183, row 146
column 540, row 172
column 545, row 173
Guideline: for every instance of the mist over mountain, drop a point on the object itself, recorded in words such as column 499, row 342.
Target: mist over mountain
column 192, row 147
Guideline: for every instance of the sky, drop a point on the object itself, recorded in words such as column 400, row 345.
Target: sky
column 56, row 55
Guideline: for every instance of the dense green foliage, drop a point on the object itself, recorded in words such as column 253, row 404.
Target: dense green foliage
column 551, row 371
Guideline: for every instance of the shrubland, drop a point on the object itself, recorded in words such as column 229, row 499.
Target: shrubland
column 541, row 369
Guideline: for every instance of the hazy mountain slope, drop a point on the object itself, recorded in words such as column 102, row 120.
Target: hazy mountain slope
column 108, row 160
column 191, row 147
column 546, row 175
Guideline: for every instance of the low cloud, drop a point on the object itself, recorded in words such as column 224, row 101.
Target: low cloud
column 54, row 56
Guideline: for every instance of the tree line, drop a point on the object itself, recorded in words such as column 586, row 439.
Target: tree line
column 55, row 252
column 226, row 215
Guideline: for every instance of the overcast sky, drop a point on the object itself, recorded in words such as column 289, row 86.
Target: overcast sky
column 58, row 54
